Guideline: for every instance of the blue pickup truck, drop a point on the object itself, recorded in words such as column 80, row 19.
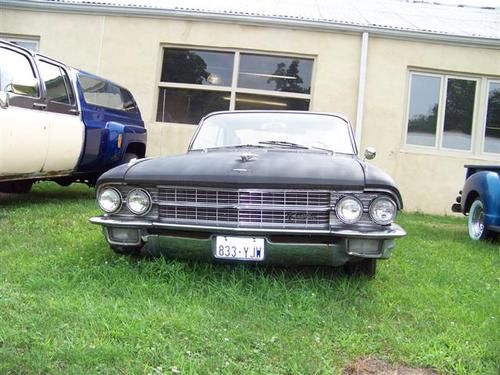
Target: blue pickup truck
column 480, row 200
column 61, row 124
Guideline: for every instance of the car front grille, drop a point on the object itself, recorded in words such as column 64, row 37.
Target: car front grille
column 244, row 208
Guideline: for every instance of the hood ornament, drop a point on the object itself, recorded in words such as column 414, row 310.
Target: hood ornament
column 246, row 157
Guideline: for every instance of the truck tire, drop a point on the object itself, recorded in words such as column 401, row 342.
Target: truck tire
column 475, row 222
column 365, row 267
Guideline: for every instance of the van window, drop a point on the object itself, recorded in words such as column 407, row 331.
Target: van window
column 16, row 68
column 106, row 94
column 56, row 83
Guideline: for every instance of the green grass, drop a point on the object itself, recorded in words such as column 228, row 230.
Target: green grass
column 70, row 305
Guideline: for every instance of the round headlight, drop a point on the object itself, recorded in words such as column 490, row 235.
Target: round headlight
column 138, row 201
column 383, row 211
column 349, row 210
column 109, row 200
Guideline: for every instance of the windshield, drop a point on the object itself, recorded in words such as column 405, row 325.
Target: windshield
column 279, row 129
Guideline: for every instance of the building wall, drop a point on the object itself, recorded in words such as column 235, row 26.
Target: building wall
column 128, row 51
column 429, row 180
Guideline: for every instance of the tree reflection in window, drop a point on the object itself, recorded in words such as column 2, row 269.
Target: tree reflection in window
column 288, row 80
column 197, row 67
column 424, row 106
column 275, row 73
column 492, row 129
column 459, row 112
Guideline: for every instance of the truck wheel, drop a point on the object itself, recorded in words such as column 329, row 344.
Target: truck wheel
column 365, row 267
column 475, row 223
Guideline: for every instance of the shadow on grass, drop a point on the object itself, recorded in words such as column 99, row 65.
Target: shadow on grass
column 44, row 195
column 220, row 272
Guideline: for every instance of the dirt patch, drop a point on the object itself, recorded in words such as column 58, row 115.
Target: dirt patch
column 372, row 366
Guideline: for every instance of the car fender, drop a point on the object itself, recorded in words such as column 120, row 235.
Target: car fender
column 486, row 185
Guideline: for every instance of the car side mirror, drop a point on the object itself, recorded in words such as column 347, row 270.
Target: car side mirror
column 4, row 99
column 23, row 86
column 370, row 153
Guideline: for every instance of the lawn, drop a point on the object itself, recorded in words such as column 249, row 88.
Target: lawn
column 69, row 305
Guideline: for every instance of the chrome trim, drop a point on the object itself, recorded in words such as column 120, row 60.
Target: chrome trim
column 243, row 190
column 243, row 207
column 232, row 207
column 392, row 231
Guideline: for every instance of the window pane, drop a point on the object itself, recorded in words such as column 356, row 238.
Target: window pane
column 460, row 94
column 275, row 73
column 198, row 67
column 424, row 105
column 16, row 68
column 101, row 93
column 492, row 131
column 189, row 106
column 247, row 101
column 54, row 83
column 28, row 44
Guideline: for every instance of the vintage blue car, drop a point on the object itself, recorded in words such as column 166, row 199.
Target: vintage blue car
column 480, row 200
column 61, row 124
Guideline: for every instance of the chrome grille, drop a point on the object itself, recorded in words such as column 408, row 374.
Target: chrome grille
column 245, row 208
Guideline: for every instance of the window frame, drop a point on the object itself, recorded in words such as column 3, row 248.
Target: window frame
column 487, row 82
column 232, row 90
column 15, row 40
column 478, row 116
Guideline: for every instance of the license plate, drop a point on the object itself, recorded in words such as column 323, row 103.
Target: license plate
column 239, row 248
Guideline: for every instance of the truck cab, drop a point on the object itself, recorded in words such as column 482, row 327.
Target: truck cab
column 62, row 124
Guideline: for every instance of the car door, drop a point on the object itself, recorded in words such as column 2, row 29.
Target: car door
column 23, row 123
column 66, row 130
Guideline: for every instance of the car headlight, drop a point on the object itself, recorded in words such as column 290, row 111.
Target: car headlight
column 383, row 210
column 349, row 210
column 109, row 199
column 138, row 201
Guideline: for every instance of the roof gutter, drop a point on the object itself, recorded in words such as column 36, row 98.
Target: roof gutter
column 253, row 19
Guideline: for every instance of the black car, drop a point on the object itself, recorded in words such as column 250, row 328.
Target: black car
column 257, row 186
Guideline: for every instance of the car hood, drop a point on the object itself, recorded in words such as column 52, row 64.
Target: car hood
column 253, row 168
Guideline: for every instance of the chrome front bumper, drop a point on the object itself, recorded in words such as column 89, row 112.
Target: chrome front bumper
column 283, row 246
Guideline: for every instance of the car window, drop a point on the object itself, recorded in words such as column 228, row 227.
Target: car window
column 106, row 94
column 16, row 74
column 257, row 128
column 55, row 83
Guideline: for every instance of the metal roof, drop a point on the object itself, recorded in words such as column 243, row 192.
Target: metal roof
column 431, row 20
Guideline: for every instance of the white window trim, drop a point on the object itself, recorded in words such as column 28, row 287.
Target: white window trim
column 478, row 119
column 232, row 90
column 486, row 83
column 14, row 39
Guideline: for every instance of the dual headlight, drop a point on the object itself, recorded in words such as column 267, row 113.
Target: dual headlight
column 382, row 210
column 138, row 201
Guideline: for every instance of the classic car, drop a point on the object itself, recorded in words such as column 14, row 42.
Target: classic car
column 257, row 186
column 61, row 124
column 479, row 199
